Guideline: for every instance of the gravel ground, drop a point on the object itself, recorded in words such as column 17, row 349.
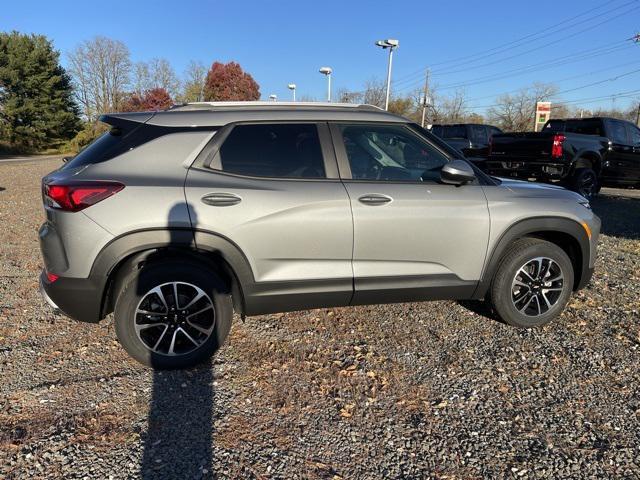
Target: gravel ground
column 423, row 390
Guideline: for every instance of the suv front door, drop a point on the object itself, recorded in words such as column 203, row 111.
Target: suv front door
column 619, row 166
column 414, row 238
column 274, row 190
column 634, row 160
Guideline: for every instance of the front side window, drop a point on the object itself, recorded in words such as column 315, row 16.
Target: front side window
column 618, row 132
column 390, row 153
column 478, row 134
column 634, row 134
column 273, row 150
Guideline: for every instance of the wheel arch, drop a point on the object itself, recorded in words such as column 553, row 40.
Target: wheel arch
column 582, row 159
column 566, row 233
column 124, row 255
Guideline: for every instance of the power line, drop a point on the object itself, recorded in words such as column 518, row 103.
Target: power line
column 503, row 59
column 627, row 94
column 511, row 45
column 560, row 61
column 581, row 75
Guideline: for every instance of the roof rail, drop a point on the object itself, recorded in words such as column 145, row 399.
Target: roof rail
column 270, row 104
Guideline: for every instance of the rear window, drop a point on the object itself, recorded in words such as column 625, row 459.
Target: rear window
column 585, row 127
column 121, row 138
column 453, row 131
column 99, row 150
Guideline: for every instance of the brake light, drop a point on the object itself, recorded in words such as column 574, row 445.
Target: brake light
column 52, row 277
column 76, row 196
column 556, row 148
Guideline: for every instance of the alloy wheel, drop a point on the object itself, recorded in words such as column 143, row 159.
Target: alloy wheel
column 174, row 318
column 537, row 286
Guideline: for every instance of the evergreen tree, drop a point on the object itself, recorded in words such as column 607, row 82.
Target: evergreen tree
column 36, row 105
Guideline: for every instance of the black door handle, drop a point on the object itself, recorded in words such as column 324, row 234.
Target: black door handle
column 375, row 199
column 222, row 199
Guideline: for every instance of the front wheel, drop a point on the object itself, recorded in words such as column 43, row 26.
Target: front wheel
column 173, row 314
column 533, row 283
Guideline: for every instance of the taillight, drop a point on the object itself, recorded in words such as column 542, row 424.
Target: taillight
column 490, row 145
column 76, row 196
column 556, row 148
column 52, row 277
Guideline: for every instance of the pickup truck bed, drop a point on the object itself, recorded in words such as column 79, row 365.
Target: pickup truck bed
column 581, row 161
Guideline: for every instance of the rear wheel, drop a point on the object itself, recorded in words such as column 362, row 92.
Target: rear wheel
column 533, row 283
column 585, row 182
column 173, row 314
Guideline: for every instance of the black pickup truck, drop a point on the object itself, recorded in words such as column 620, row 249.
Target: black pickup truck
column 582, row 154
column 472, row 139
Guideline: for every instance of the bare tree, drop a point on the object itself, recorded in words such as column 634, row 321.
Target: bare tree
column 164, row 76
column 374, row 92
column 516, row 112
column 141, row 78
column 156, row 73
column 100, row 69
column 195, row 77
column 344, row 95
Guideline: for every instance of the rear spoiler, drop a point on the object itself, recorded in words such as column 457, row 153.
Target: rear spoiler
column 126, row 119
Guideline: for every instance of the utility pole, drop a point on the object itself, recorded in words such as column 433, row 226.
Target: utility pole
column 638, row 115
column 425, row 98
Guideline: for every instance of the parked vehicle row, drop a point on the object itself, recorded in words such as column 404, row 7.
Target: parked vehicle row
column 472, row 139
column 581, row 154
column 174, row 219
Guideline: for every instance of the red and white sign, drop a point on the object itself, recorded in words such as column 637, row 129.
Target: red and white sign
column 543, row 112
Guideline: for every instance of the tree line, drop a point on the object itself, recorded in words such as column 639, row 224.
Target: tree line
column 511, row 112
column 43, row 105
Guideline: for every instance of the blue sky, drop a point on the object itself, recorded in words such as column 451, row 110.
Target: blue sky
column 280, row 42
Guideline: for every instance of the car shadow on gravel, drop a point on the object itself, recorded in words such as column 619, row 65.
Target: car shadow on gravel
column 620, row 215
column 179, row 436
column 178, row 440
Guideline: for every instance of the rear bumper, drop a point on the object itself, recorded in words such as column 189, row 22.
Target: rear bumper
column 78, row 298
column 526, row 169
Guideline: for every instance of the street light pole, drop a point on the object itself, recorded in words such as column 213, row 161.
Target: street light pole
column 391, row 44
column 292, row 87
column 327, row 72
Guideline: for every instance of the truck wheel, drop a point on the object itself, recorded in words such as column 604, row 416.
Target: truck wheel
column 585, row 182
column 173, row 314
column 533, row 283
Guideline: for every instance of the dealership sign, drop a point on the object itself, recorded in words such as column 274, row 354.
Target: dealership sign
column 543, row 112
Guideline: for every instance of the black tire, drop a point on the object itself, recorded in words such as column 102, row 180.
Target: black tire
column 505, row 291
column 585, row 182
column 189, row 277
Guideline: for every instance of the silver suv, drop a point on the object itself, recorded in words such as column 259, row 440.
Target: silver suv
column 172, row 220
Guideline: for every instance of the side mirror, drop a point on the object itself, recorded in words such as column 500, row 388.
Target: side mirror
column 457, row 172
column 66, row 159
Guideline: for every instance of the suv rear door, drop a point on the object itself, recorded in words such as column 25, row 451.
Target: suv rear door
column 273, row 189
column 414, row 238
